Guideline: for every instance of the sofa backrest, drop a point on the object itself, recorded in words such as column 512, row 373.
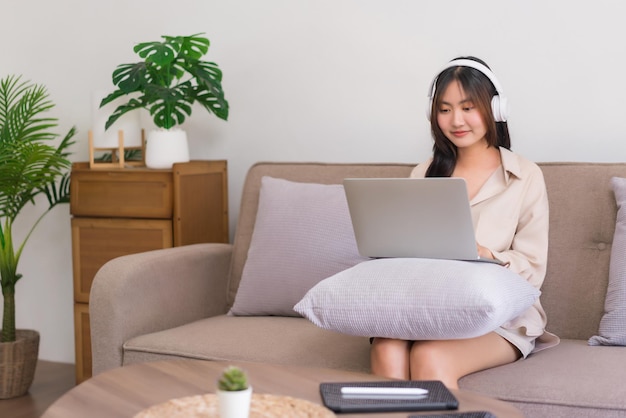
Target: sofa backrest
column 582, row 220
column 325, row 173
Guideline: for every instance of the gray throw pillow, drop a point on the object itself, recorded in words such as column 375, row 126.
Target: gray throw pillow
column 613, row 324
column 302, row 234
column 418, row 299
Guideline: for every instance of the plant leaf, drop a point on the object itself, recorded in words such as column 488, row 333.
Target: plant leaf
column 160, row 53
column 193, row 47
column 214, row 104
column 171, row 107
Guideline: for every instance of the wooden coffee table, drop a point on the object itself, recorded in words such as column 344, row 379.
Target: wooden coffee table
column 125, row 391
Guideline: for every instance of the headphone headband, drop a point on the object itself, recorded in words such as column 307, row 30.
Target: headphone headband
column 499, row 103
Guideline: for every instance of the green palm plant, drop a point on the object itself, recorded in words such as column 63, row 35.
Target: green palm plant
column 30, row 165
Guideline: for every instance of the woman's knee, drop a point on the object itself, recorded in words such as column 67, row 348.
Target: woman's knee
column 389, row 348
column 428, row 360
column 426, row 352
column 390, row 357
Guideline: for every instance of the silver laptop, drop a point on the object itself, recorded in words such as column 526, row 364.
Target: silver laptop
column 405, row 217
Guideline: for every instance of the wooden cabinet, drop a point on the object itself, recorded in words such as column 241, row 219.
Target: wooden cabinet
column 120, row 211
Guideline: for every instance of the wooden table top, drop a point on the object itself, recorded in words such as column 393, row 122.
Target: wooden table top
column 128, row 390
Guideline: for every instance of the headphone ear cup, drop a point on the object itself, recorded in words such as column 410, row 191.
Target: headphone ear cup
column 500, row 108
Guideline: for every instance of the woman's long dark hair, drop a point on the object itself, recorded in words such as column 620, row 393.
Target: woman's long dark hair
column 479, row 90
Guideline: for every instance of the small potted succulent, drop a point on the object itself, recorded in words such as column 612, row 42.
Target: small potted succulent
column 234, row 394
column 168, row 81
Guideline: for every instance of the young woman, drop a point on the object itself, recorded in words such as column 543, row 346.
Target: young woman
column 510, row 212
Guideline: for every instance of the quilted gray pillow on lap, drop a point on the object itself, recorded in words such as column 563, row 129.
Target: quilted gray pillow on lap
column 418, row 299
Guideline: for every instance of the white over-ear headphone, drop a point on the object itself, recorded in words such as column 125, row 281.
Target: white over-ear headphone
column 499, row 103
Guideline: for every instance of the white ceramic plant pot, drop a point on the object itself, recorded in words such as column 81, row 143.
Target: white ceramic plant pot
column 234, row 404
column 166, row 147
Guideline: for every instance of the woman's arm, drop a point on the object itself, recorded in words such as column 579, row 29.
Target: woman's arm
column 529, row 249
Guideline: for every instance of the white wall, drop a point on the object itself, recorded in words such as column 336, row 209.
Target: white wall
column 325, row 80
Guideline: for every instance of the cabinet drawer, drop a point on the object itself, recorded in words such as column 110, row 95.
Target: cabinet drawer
column 133, row 193
column 96, row 241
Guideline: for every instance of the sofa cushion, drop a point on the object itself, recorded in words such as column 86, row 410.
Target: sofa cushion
column 569, row 380
column 268, row 339
column 417, row 299
column 302, row 235
column 613, row 323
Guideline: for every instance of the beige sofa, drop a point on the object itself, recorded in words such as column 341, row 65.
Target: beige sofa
column 173, row 303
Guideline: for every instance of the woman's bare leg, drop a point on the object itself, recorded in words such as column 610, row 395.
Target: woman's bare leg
column 390, row 358
column 449, row 360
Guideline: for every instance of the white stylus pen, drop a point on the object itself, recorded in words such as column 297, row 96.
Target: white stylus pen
column 361, row 390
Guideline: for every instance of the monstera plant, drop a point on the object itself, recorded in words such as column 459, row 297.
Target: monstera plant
column 167, row 82
column 31, row 164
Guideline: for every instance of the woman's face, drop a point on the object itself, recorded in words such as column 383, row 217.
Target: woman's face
column 459, row 119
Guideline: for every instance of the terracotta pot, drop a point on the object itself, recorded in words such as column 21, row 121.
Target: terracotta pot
column 235, row 404
column 18, row 360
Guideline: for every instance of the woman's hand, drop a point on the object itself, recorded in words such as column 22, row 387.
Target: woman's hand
column 484, row 252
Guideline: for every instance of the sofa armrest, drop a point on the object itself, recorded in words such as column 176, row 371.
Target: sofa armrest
column 152, row 291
